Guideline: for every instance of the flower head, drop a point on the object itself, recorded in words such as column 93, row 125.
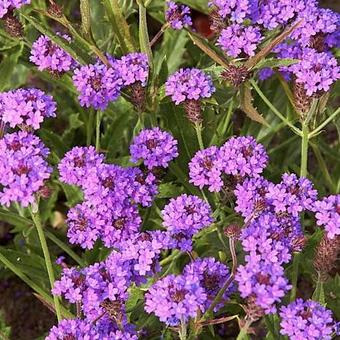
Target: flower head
column 70, row 329
column 9, row 5
column 243, row 156
column 237, row 40
column 79, row 164
column 49, row 56
column 205, row 169
column 293, row 195
column 26, row 108
column 23, row 168
column 174, row 299
column 306, row 320
column 189, row 84
column 133, row 68
column 316, row 71
column 97, row 84
column 327, row 213
column 156, row 148
column 236, row 10
column 178, row 16
column 184, row 216
column 212, row 276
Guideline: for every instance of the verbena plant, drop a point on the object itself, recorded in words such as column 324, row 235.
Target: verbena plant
column 179, row 186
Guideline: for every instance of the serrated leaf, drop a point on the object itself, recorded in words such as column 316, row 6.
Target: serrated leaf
column 246, row 102
column 203, row 45
column 250, row 63
column 272, row 63
column 168, row 190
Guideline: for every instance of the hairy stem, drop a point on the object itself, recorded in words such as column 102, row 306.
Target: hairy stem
column 98, row 120
column 198, row 129
column 304, row 150
column 48, row 262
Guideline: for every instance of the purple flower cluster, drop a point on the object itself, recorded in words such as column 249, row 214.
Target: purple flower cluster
column 133, row 68
column 212, row 276
column 327, row 213
column 292, row 196
column 239, row 41
column 156, row 148
column 205, row 169
column 306, row 320
column 26, row 108
column 269, row 242
column 177, row 15
column 236, row 10
column 49, row 56
column 185, row 216
column 175, row 299
column 97, row 84
column 101, row 290
column 317, row 71
column 112, row 193
column 189, row 84
column 9, row 5
column 239, row 157
column 23, row 168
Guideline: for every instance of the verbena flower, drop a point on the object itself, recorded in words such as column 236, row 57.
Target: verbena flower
column 239, row 41
column 271, row 14
column 49, row 56
column 84, row 225
column 174, row 299
column 316, row 71
column 143, row 250
column 263, row 281
column 293, row 195
column 177, row 15
column 251, row 197
column 236, row 10
column 327, row 213
column 189, row 84
column 26, row 108
column 133, row 67
column 70, row 329
column 243, row 156
column 315, row 21
column 97, row 84
column 23, row 168
column 156, row 148
column 9, row 5
column 184, row 216
column 205, row 169
column 79, row 164
column 212, row 275
column 306, row 320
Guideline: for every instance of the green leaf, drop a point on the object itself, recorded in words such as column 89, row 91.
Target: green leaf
column 168, row 190
column 14, row 219
column 64, row 44
column 7, row 66
column 135, row 295
column 272, row 63
column 53, row 141
column 144, row 39
column 246, row 102
column 319, row 293
column 85, row 17
column 73, row 194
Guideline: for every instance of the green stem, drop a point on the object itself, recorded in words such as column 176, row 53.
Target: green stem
column 144, row 40
column 31, row 284
column 48, row 262
column 322, row 125
column 274, row 109
column 304, row 150
column 89, row 129
column 198, row 129
column 98, row 120
column 244, row 331
column 159, row 34
column 65, row 248
column 227, row 283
